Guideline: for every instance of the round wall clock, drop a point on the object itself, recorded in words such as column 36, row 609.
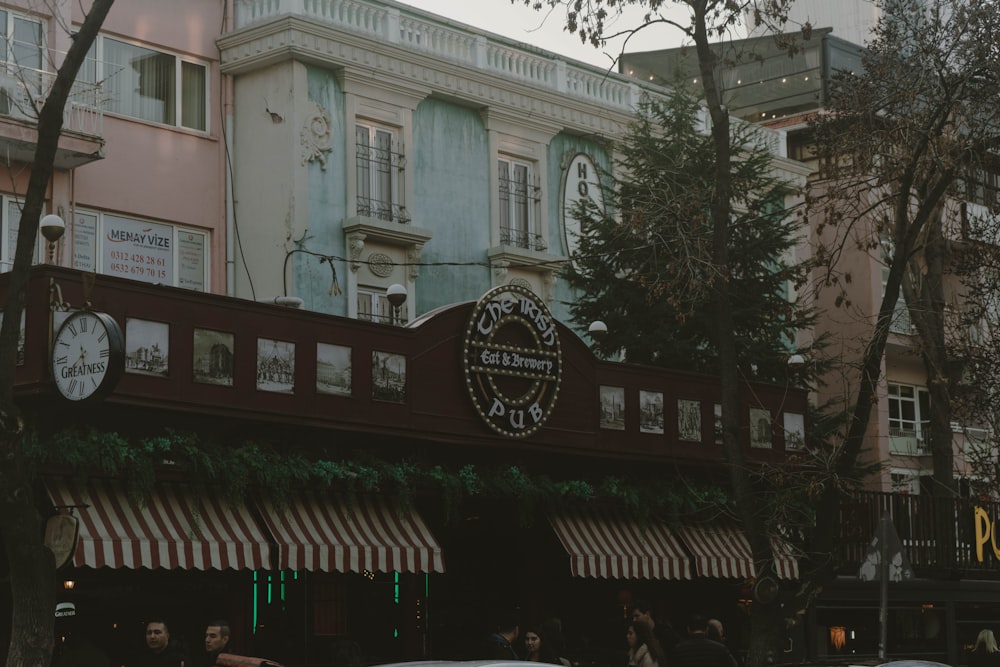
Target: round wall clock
column 88, row 355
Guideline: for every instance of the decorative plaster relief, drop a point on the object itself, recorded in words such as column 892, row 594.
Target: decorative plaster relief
column 316, row 136
column 380, row 264
column 500, row 272
column 355, row 244
column 413, row 257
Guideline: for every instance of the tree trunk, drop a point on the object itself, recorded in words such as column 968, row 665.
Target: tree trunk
column 766, row 621
column 32, row 565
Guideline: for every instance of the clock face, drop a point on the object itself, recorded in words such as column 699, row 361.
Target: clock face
column 87, row 355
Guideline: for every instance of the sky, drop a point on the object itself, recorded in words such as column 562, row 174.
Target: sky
column 524, row 24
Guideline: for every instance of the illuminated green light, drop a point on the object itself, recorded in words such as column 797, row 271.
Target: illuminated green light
column 256, row 602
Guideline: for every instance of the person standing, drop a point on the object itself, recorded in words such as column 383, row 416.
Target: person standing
column 538, row 648
column 644, row 649
column 663, row 631
column 216, row 642
column 160, row 650
column 985, row 653
column 500, row 645
column 699, row 650
column 717, row 632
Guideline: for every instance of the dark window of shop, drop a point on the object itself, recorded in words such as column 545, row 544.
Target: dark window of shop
column 914, row 631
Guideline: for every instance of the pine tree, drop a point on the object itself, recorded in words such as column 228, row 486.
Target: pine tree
column 645, row 265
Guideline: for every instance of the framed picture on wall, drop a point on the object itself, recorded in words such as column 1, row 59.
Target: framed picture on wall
column 213, row 357
column 688, row 420
column 147, row 347
column 388, row 376
column 333, row 369
column 613, row 408
column 650, row 412
column 275, row 366
column 760, row 428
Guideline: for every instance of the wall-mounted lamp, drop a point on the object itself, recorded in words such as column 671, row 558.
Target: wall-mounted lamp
column 597, row 329
column 69, row 584
column 52, row 228
column 396, row 294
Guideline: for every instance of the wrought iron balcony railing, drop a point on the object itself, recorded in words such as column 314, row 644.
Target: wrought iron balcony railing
column 936, row 534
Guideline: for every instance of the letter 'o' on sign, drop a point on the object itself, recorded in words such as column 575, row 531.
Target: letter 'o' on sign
column 581, row 182
column 512, row 360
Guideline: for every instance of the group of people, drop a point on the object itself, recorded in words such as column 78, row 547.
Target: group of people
column 163, row 652
column 657, row 645
column 160, row 650
column 541, row 643
column 649, row 644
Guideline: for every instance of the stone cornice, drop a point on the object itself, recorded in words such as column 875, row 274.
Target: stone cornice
column 289, row 37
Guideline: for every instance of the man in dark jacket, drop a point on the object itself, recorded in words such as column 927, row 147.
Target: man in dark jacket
column 161, row 651
column 698, row 650
column 500, row 645
column 642, row 611
column 216, row 642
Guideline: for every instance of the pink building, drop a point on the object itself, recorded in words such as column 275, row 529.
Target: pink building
column 140, row 173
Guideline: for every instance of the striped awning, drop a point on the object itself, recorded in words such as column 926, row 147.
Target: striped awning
column 722, row 551
column 317, row 532
column 612, row 546
column 173, row 528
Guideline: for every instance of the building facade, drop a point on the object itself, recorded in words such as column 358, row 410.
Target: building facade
column 317, row 154
column 941, row 604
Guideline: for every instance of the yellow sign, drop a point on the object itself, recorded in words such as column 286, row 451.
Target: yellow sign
column 986, row 531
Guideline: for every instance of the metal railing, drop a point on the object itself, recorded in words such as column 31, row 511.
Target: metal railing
column 420, row 32
column 935, row 533
column 23, row 90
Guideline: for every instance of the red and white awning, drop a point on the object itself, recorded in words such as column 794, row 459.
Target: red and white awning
column 611, row 546
column 317, row 532
column 722, row 551
column 173, row 528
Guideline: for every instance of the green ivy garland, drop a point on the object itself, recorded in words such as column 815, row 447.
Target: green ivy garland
column 239, row 467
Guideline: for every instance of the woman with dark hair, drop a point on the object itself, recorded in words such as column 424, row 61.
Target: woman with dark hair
column 643, row 648
column 538, row 649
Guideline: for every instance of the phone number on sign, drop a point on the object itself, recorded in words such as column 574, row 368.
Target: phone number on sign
column 137, row 271
column 137, row 258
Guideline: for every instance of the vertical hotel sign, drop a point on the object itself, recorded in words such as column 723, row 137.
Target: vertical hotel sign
column 512, row 360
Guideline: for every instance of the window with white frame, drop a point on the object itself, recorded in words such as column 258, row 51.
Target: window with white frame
column 149, row 85
column 905, row 482
column 141, row 250
column 380, row 165
column 11, row 225
column 21, row 51
column 901, row 322
column 518, row 201
column 909, row 411
column 374, row 306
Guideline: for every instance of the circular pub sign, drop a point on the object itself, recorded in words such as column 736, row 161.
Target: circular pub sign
column 512, row 360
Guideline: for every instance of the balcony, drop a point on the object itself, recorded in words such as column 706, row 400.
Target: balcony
column 22, row 93
column 938, row 535
column 265, row 29
column 906, row 442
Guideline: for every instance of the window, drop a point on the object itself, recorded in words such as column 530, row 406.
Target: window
column 141, row 250
column 21, row 52
column 380, row 167
column 374, row 306
column 901, row 322
column 981, row 185
column 10, row 225
column 518, row 199
column 909, row 412
column 149, row 85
